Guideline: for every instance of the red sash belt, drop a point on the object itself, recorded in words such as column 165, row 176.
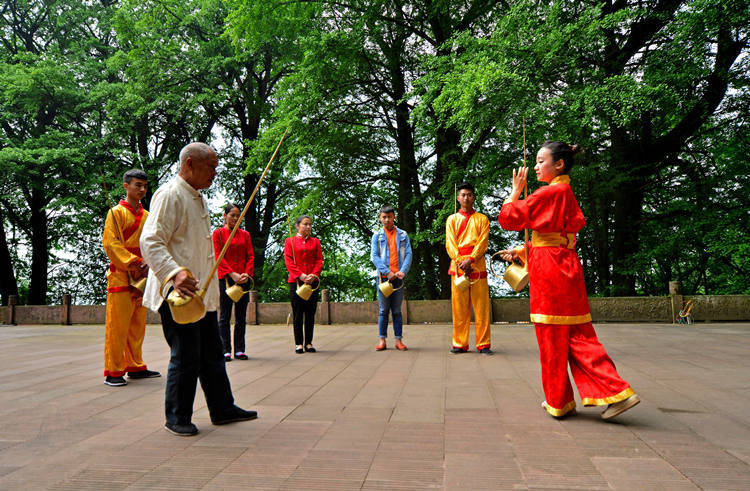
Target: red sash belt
column 117, row 289
column 474, row 275
column 465, row 251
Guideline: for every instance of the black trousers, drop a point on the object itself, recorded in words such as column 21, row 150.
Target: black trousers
column 225, row 315
column 303, row 312
column 196, row 355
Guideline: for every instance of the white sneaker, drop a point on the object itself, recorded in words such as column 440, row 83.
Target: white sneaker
column 620, row 407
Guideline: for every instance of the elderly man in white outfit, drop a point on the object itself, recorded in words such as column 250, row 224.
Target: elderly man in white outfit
column 176, row 235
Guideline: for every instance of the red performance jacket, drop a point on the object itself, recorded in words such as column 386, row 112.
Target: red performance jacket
column 308, row 256
column 239, row 257
column 557, row 289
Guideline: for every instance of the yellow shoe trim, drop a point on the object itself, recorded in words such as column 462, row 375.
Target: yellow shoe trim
column 560, row 412
column 587, row 401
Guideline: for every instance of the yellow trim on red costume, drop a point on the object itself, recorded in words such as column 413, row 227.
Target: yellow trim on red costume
column 561, row 179
column 560, row 412
column 560, row 319
column 587, row 401
column 552, row 239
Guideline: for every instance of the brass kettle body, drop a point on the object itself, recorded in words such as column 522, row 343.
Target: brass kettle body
column 304, row 291
column 236, row 291
column 185, row 310
column 386, row 287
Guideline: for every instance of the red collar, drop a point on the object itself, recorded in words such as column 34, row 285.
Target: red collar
column 127, row 206
column 467, row 215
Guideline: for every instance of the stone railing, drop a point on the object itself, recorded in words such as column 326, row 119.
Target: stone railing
column 707, row 308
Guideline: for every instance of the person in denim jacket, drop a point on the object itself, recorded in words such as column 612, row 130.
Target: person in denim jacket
column 391, row 254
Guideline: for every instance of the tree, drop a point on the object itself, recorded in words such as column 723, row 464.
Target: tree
column 633, row 81
column 47, row 142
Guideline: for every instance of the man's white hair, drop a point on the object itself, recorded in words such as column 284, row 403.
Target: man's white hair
column 196, row 150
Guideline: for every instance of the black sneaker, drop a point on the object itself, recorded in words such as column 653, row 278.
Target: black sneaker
column 486, row 351
column 115, row 381
column 235, row 414
column 457, row 350
column 144, row 374
column 181, row 430
column 240, row 356
column 227, row 357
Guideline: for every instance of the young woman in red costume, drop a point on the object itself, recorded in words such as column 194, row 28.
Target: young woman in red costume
column 236, row 267
column 304, row 261
column 559, row 305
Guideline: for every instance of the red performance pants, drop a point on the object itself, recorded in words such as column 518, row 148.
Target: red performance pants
column 593, row 370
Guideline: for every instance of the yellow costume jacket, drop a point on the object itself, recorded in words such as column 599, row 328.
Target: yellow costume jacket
column 122, row 255
column 467, row 236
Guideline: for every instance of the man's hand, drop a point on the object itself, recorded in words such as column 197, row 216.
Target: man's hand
column 242, row 278
column 465, row 265
column 235, row 277
column 310, row 279
column 400, row 275
column 391, row 275
column 508, row 254
column 185, row 285
column 138, row 270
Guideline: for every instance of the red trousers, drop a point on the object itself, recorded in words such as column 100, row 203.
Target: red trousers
column 593, row 370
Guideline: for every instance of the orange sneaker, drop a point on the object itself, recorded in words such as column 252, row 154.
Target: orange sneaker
column 381, row 345
column 400, row 346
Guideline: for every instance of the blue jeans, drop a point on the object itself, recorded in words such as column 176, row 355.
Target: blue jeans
column 391, row 304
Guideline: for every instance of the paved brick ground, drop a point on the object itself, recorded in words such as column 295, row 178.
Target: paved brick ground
column 352, row 418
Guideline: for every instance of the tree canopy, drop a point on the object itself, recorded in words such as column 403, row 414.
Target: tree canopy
column 386, row 102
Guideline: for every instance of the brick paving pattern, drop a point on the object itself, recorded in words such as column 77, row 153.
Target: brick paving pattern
column 349, row 417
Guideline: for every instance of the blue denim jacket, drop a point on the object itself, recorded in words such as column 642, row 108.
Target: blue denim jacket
column 380, row 256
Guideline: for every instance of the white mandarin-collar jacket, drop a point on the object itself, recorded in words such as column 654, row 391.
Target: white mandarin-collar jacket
column 178, row 233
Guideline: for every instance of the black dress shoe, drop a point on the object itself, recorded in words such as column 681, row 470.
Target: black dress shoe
column 457, row 350
column 240, row 356
column 144, row 374
column 299, row 351
column 235, row 414
column 188, row 429
column 115, row 381
column 310, row 349
column 486, row 351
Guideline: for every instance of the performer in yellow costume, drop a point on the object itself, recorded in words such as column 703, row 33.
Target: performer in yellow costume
column 466, row 236
column 126, row 318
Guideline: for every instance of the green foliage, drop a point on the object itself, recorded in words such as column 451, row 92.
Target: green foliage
column 385, row 102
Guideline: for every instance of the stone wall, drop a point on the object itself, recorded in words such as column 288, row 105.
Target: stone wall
column 614, row 309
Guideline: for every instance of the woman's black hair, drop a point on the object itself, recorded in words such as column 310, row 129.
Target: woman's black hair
column 561, row 150
column 230, row 207
column 302, row 217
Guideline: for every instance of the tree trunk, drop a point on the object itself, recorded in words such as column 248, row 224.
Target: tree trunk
column 39, row 251
column 628, row 205
column 8, row 284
